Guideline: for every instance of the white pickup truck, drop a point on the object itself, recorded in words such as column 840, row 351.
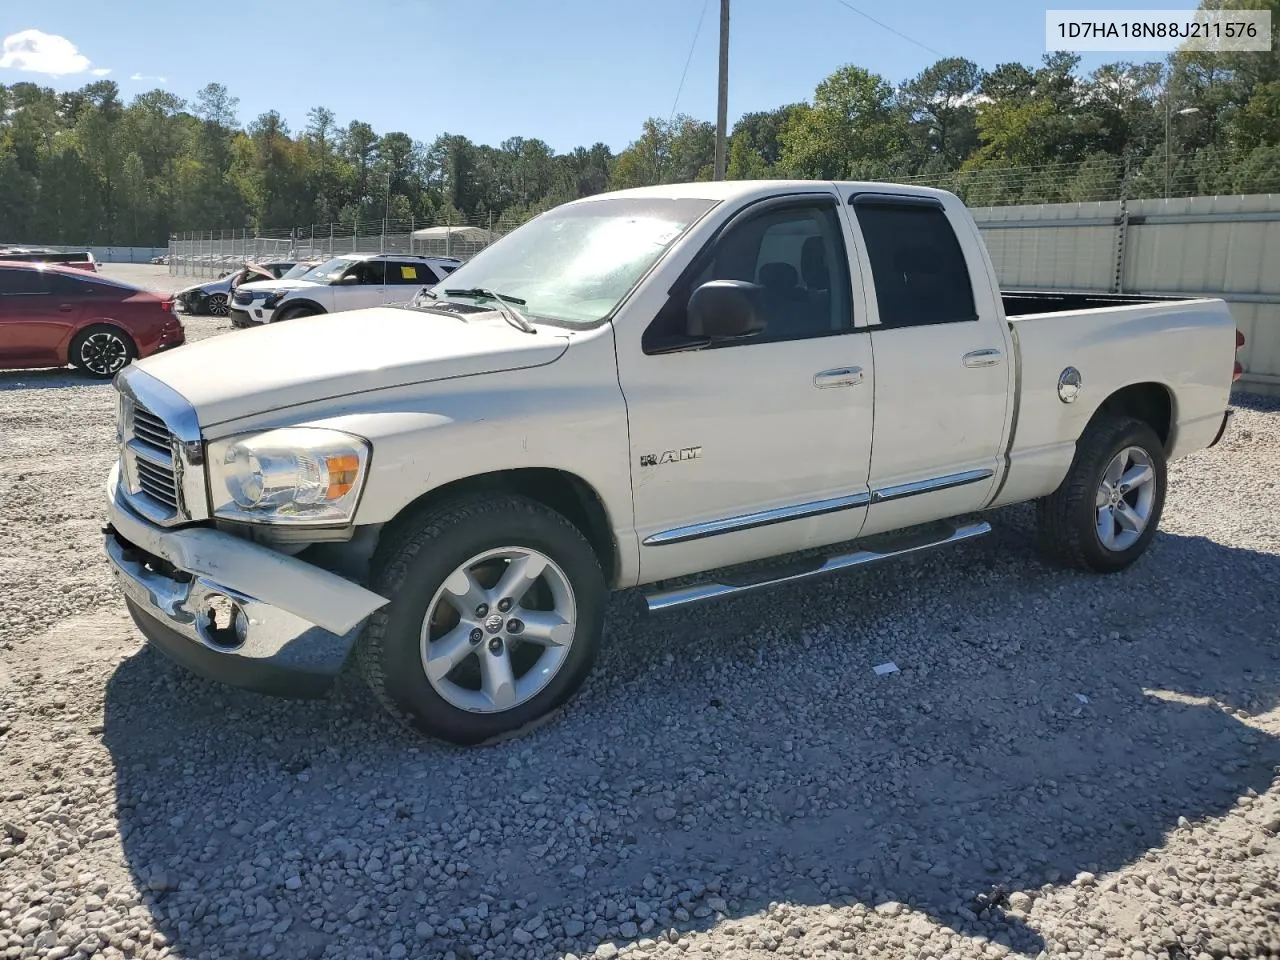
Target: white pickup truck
column 636, row 388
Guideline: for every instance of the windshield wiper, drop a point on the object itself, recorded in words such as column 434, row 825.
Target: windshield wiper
column 512, row 315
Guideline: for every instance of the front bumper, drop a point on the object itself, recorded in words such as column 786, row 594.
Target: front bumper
column 1226, row 421
column 250, row 316
column 231, row 610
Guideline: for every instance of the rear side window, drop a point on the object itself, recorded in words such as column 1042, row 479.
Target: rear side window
column 23, row 282
column 72, row 287
column 920, row 272
column 409, row 272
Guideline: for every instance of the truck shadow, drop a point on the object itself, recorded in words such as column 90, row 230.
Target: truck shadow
column 46, row 378
column 761, row 761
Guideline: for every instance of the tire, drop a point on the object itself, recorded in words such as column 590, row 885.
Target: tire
column 1072, row 522
column 102, row 351
column 293, row 313
column 470, row 697
column 217, row 305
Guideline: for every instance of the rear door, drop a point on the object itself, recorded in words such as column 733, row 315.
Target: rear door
column 38, row 311
column 943, row 377
column 406, row 277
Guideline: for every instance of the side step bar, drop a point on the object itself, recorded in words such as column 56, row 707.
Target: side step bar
column 714, row 590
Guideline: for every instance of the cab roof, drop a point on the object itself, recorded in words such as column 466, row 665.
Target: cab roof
column 755, row 189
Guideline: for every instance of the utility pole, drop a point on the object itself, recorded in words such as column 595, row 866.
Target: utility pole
column 722, row 106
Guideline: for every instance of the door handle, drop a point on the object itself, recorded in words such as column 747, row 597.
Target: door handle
column 840, row 377
column 982, row 358
column 66, row 307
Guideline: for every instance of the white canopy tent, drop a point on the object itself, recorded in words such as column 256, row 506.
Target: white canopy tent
column 451, row 241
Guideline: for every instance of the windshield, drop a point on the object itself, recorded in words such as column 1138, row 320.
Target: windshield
column 330, row 271
column 576, row 263
column 297, row 270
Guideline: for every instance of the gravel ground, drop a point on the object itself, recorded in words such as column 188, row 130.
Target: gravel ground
column 1065, row 765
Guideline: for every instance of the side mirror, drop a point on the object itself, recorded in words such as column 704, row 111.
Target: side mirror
column 349, row 278
column 724, row 310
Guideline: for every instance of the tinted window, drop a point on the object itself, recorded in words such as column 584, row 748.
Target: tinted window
column 920, row 273
column 410, row 272
column 796, row 255
column 74, row 287
column 370, row 271
column 23, row 282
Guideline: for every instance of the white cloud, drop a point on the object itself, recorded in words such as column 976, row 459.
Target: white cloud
column 37, row 52
column 100, row 71
column 142, row 77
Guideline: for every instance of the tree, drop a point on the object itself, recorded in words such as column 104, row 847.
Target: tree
column 940, row 104
column 851, row 130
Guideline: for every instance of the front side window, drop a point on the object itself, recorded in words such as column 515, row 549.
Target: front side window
column 796, row 257
column 370, row 272
column 573, row 265
column 920, row 272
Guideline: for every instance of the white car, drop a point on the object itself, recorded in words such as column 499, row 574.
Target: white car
column 653, row 388
column 349, row 282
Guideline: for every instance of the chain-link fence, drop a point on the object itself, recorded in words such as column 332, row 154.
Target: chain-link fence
column 214, row 253
column 1101, row 178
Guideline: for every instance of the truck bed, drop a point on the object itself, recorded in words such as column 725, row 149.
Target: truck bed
column 1025, row 303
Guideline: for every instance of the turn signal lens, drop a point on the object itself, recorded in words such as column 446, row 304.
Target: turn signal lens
column 343, row 471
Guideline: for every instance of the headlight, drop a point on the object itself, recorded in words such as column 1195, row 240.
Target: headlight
column 292, row 476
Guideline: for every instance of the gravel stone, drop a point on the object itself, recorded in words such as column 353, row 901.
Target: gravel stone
column 735, row 782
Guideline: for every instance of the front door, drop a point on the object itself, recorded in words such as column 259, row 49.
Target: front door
column 368, row 290
column 942, row 370
column 757, row 447
column 38, row 309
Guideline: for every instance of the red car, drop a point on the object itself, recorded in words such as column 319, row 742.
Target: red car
column 51, row 316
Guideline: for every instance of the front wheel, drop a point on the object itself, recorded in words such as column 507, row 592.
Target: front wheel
column 293, row 313
column 497, row 606
column 1105, row 513
column 217, row 305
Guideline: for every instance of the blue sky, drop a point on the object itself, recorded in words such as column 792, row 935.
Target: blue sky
column 568, row 71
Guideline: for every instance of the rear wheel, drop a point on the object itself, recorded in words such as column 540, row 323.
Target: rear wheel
column 496, row 611
column 217, row 304
column 1105, row 513
column 102, row 351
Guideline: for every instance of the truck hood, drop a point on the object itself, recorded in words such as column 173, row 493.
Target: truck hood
column 333, row 355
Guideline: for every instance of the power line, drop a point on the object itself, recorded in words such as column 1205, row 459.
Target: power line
column 885, row 26
column 688, row 60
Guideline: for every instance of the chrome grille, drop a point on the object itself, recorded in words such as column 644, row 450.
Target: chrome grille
column 157, row 481
column 148, row 452
column 161, row 451
column 150, row 430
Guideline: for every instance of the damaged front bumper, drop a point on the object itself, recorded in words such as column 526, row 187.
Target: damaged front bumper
column 231, row 610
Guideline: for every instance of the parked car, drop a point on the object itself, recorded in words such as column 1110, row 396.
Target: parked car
column 80, row 260
column 53, row 316
column 348, row 282
column 214, row 297
column 633, row 389
column 257, row 290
